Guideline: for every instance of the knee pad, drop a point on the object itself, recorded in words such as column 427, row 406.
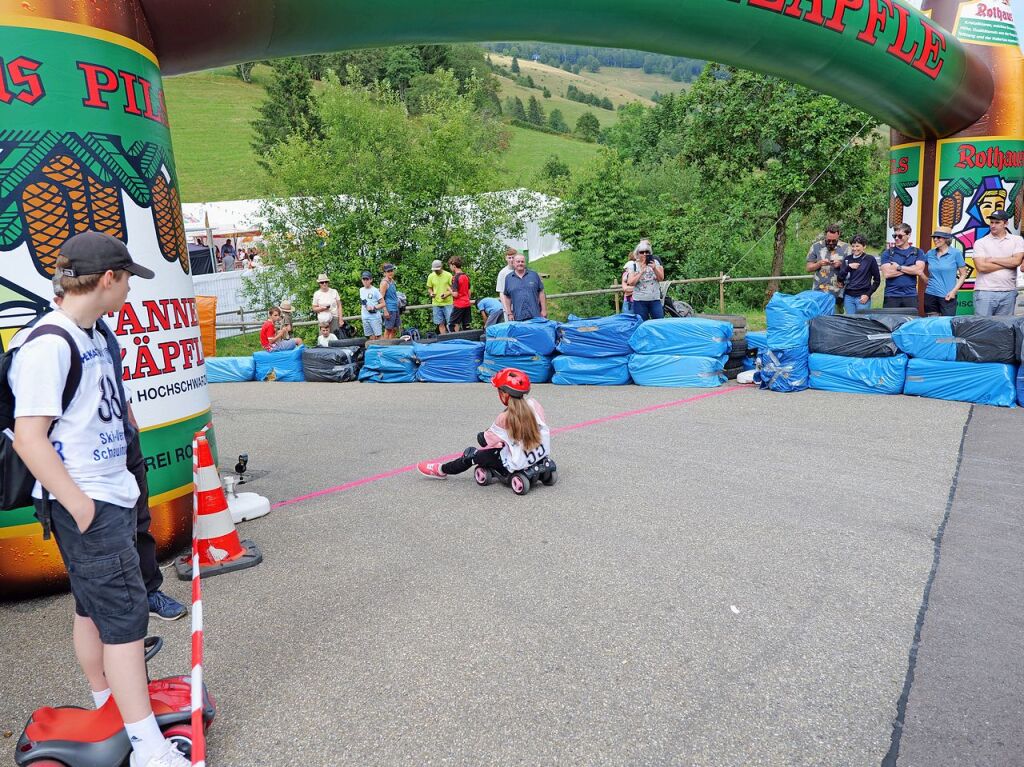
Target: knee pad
column 469, row 453
column 480, row 439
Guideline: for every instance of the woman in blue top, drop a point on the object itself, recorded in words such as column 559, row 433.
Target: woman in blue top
column 947, row 271
column 392, row 316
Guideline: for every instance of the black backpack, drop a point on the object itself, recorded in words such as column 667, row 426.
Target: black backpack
column 16, row 481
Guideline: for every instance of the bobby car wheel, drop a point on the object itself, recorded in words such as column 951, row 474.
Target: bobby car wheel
column 519, row 483
column 483, row 476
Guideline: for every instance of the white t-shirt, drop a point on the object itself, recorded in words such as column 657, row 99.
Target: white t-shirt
column 505, row 272
column 89, row 436
column 368, row 299
column 329, row 299
column 324, row 341
column 513, row 457
column 631, row 267
column 990, row 247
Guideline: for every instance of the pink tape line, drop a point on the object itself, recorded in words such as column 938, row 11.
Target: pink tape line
column 562, row 429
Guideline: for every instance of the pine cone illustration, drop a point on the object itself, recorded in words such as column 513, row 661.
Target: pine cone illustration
column 947, row 212
column 170, row 229
column 107, row 215
column 895, row 211
column 67, row 173
column 1018, row 208
column 47, row 222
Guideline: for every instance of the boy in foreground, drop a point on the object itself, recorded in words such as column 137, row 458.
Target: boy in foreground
column 91, row 494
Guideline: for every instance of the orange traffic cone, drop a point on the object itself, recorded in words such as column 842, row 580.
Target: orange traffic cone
column 217, row 543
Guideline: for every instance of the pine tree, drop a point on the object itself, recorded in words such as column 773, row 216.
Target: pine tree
column 557, row 122
column 515, row 65
column 534, row 113
column 289, row 108
column 547, row 93
column 514, row 108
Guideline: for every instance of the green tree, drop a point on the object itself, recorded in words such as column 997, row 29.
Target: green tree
column 514, row 108
column 773, row 139
column 557, row 122
column 534, row 112
column 288, row 109
column 515, row 65
column 380, row 186
column 587, row 127
column 547, row 93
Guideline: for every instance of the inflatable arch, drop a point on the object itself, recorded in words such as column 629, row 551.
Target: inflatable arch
column 84, row 142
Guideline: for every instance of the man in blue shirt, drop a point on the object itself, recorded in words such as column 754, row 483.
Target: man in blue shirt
column 524, row 296
column 902, row 264
column 491, row 310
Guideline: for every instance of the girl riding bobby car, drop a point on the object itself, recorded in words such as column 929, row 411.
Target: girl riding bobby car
column 515, row 450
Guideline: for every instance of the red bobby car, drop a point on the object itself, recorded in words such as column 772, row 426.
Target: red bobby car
column 69, row 736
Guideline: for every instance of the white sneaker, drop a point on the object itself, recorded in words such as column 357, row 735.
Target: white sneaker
column 169, row 756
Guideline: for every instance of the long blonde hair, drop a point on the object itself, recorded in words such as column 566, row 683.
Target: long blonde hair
column 521, row 424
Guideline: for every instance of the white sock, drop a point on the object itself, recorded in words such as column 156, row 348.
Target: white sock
column 101, row 697
column 145, row 737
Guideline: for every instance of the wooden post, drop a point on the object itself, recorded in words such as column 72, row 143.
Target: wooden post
column 616, row 302
column 721, row 293
column 241, row 318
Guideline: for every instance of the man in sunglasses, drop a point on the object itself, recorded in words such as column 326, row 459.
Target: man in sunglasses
column 825, row 259
column 902, row 264
column 997, row 256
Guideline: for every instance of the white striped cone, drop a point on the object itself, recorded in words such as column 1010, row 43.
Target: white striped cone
column 216, row 536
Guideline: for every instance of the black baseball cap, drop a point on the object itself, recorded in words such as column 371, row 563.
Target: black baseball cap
column 1000, row 215
column 96, row 252
column 367, row 276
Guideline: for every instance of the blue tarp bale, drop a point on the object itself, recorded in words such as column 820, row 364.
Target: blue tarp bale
column 929, row 338
column 230, row 369
column 757, row 340
column 515, row 339
column 1020, row 386
column 449, row 361
column 684, row 337
column 783, row 370
column 859, row 375
column 676, row 370
column 788, row 317
column 536, row 366
column 583, row 371
column 983, row 383
column 388, row 364
column 279, row 366
column 597, row 337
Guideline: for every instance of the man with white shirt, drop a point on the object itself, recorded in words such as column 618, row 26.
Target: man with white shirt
column 997, row 256
column 510, row 254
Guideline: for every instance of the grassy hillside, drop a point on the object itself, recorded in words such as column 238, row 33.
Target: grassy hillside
column 635, row 81
column 619, row 89
column 530, row 149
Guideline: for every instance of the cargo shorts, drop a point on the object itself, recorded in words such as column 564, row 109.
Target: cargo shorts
column 103, row 567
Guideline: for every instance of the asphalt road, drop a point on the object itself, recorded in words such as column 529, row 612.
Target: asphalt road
column 730, row 580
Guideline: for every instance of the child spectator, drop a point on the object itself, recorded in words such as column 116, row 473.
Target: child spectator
column 392, row 310
column 326, row 336
column 462, row 311
column 273, row 333
column 371, row 303
column 88, row 488
column 518, row 438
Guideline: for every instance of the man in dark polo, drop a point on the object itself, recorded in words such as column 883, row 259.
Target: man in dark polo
column 524, row 297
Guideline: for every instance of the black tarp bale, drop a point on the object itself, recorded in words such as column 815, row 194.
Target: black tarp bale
column 855, row 336
column 985, row 339
column 199, row 259
column 332, row 365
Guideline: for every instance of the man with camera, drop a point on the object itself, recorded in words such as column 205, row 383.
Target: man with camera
column 824, row 260
column 647, row 301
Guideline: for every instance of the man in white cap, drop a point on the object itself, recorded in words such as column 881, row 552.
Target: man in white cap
column 439, row 287
column 326, row 299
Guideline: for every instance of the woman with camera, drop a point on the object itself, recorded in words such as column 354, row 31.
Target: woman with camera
column 647, row 303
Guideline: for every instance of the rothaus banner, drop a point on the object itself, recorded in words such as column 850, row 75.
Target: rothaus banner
column 84, row 144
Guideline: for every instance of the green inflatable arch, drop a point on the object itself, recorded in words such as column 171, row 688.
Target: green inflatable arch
column 880, row 55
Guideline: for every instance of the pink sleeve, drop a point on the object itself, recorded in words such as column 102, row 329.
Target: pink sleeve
column 492, row 439
column 539, row 410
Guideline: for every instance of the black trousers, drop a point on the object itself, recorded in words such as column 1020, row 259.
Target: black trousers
column 940, row 306
column 899, row 302
column 489, row 458
column 144, row 541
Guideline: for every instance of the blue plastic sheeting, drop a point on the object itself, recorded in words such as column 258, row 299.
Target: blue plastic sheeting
column 1020, row 386
column 597, row 337
column 516, row 339
column 389, row 364
column 858, row 375
column 676, row 370
column 983, row 383
column 787, row 317
column 783, row 370
column 536, row 366
column 279, row 366
column 683, row 336
column 929, row 338
column 757, row 339
column 588, row 371
column 230, row 369
column 449, row 361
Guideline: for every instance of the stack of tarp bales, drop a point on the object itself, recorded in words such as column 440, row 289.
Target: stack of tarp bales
column 784, row 364
column 279, row 366
column 528, row 345
column 594, row 351
column 856, row 354
column 230, row 369
column 688, row 352
column 968, row 359
column 388, row 364
column 332, row 364
column 449, row 361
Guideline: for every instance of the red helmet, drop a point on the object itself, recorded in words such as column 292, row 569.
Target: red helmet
column 512, row 381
